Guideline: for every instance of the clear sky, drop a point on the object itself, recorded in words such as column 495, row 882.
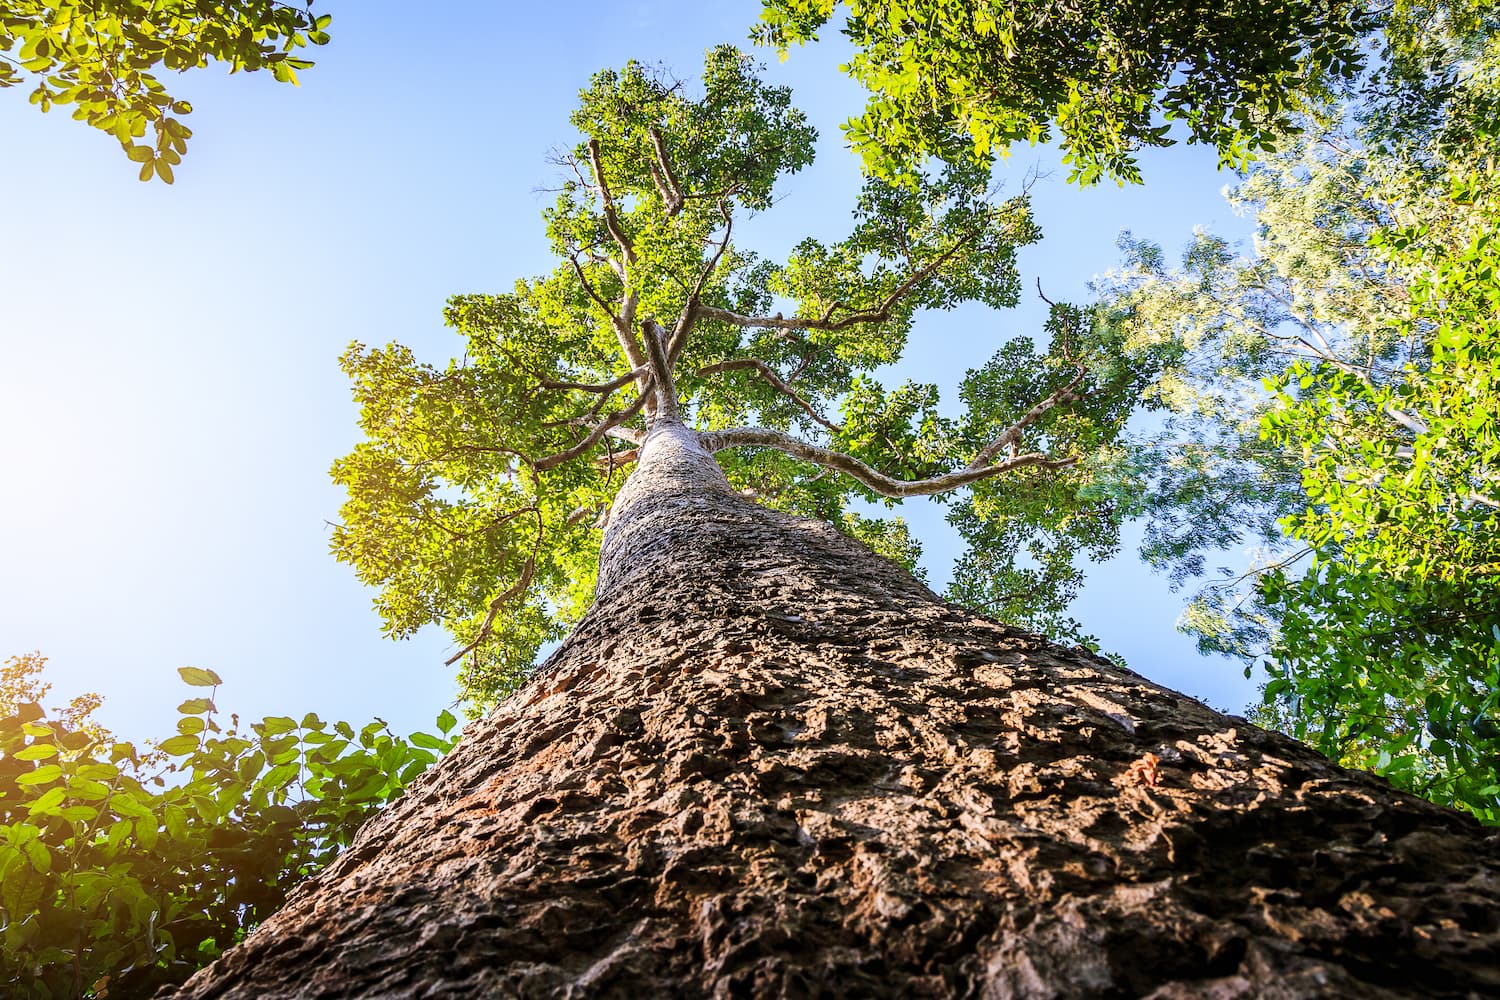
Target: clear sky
column 169, row 394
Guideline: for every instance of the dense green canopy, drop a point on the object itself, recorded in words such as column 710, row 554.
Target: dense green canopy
column 961, row 80
column 1338, row 400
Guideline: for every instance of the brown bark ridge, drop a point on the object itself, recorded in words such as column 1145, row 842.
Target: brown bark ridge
column 770, row 763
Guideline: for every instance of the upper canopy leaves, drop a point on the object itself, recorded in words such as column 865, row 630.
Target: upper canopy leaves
column 961, row 79
column 483, row 484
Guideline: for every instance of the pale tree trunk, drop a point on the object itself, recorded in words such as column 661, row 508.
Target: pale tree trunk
column 769, row 762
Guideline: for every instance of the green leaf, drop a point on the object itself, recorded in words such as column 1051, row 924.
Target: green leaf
column 40, row 776
column 37, row 751
column 49, row 801
column 446, row 721
column 41, row 858
column 197, row 676
column 178, row 746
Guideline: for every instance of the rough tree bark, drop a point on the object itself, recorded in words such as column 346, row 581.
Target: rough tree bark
column 769, row 762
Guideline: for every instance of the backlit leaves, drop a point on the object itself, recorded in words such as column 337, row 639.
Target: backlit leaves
column 102, row 60
column 143, row 866
column 963, row 80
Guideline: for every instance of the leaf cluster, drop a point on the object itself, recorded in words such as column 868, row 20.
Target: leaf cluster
column 961, row 80
column 102, row 58
column 124, row 868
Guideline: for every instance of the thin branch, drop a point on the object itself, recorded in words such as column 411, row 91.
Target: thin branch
column 878, row 314
column 620, row 321
column 589, row 288
column 769, row 374
column 1011, row 436
column 601, row 387
column 611, row 220
column 595, row 435
column 662, row 173
column 518, row 587
column 889, row 486
column 684, row 322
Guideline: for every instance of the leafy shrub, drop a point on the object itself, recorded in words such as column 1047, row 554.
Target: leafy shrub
column 123, row 869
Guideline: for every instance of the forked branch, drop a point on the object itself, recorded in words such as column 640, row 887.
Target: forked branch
column 661, row 372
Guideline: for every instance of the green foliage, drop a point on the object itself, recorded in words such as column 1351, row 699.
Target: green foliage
column 1027, row 532
column 961, row 80
column 101, row 57
column 1390, row 647
column 478, row 496
column 124, row 868
column 1338, row 400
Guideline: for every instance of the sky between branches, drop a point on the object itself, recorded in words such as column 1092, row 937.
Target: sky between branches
column 169, row 396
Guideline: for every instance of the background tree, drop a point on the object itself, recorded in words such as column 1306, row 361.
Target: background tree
column 126, row 868
column 1368, row 471
column 484, row 485
column 962, row 81
column 102, row 56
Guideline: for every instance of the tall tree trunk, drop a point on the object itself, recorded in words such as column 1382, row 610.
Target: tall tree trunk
column 769, row 762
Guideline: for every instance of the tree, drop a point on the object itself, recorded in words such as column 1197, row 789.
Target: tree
column 961, row 80
column 484, row 485
column 1368, row 308
column 767, row 760
column 122, row 869
column 102, row 55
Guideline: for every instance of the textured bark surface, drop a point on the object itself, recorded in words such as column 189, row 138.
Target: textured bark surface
column 770, row 763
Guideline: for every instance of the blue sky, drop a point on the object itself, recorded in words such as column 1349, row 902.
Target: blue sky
column 169, row 394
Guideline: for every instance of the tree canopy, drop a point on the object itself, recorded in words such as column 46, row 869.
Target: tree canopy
column 1367, row 465
column 103, row 56
column 483, row 483
column 961, row 80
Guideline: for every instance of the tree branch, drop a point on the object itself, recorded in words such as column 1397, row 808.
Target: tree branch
column 1011, row 436
column 770, row 375
column 662, row 173
column 620, row 321
column 611, row 220
column 690, row 307
column 878, row 314
column 595, row 435
column 661, row 372
column 600, row 387
column 889, row 486
column 519, row 587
